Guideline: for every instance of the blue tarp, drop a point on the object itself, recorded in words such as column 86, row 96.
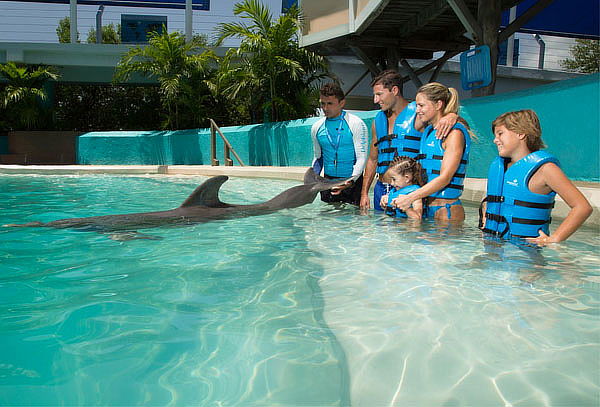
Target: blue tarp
column 563, row 18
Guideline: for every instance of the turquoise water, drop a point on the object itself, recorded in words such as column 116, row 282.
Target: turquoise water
column 312, row 306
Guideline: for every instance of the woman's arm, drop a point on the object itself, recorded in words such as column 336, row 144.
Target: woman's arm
column 556, row 180
column 454, row 147
column 416, row 210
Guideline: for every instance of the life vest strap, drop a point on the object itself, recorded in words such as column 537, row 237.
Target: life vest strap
column 456, row 175
column 534, row 204
column 389, row 137
column 525, row 221
column 441, row 157
column 494, row 199
column 389, row 150
column 410, row 150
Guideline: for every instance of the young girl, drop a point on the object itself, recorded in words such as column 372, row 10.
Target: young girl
column 444, row 159
column 405, row 174
column 523, row 181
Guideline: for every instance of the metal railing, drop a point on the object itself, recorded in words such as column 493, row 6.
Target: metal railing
column 214, row 129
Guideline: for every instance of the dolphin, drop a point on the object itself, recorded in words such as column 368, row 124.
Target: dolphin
column 203, row 205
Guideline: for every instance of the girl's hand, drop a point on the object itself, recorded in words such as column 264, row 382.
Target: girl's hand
column 403, row 202
column 542, row 240
column 384, row 201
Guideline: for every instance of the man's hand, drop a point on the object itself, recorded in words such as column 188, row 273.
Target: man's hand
column 338, row 190
column 445, row 124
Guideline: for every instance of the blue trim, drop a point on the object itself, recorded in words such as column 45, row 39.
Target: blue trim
column 172, row 4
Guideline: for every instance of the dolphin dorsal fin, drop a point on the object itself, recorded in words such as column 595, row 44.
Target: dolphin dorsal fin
column 207, row 194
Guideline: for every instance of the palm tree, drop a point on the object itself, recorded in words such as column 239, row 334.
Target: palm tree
column 24, row 92
column 269, row 69
column 180, row 67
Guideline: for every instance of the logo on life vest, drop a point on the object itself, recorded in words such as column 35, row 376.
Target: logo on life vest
column 430, row 144
column 514, row 182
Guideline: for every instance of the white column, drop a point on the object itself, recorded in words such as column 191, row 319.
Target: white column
column 510, row 44
column 188, row 20
column 73, row 20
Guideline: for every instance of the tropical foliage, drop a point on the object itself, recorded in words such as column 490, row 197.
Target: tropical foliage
column 182, row 69
column 269, row 72
column 24, row 93
column 63, row 31
column 110, row 34
column 586, row 57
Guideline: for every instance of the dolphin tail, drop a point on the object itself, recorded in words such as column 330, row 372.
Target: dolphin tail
column 23, row 225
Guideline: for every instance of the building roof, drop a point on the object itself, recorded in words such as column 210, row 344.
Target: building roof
column 415, row 29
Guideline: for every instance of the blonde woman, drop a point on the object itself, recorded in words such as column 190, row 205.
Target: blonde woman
column 443, row 159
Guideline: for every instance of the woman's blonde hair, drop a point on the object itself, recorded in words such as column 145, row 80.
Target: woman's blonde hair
column 435, row 91
column 406, row 165
column 523, row 122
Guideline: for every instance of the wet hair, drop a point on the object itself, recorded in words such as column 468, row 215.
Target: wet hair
column 406, row 165
column 388, row 79
column 523, row 122
column 333, row 89
column 435, row 91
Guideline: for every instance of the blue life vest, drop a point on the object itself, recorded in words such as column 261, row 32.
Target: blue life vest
column 337, row 147
column 404, row 140
column 512, row 209
column 395, row 193
column 431, row 158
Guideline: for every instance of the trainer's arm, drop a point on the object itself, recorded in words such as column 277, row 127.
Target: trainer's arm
column 317, row 158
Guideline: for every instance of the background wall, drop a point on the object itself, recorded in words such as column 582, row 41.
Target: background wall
column 569, row 112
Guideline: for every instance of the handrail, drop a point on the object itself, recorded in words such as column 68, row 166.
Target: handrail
column 214, row 128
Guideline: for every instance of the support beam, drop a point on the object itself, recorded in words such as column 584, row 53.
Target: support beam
column 411, row 73
column 391, row 59
column 466, row 18
column 438, row 63
column 423, row 18
column 417, row 44
column 523, row 19
column 447, row 55
column 489, row 15
column 360, row 54
column 355, row 84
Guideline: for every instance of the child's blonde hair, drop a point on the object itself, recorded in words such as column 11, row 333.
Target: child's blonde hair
column 435, row 91
column 406, row 165
column 523, row 122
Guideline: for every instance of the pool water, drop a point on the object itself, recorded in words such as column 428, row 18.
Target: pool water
column 311, row 306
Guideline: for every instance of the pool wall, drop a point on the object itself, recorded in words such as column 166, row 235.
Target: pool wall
column 569, row 112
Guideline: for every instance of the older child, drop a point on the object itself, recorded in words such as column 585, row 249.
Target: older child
column 523, row 181
column 405, row 175
column 444, row 159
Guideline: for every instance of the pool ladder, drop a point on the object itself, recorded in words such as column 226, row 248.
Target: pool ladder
column 214, row 129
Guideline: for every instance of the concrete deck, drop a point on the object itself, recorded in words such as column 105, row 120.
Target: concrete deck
column 474, row 187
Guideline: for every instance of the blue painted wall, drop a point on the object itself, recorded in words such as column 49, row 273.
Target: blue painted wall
column 569, row 112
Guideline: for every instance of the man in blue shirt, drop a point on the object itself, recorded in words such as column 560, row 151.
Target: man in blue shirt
column 340, row 141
